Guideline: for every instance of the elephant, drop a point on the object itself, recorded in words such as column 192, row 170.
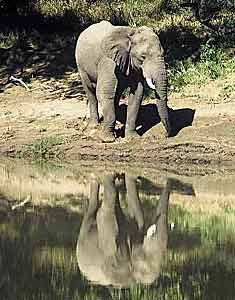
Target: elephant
column 117, row 249
column 111, row 59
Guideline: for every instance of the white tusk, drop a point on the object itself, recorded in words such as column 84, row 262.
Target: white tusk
column 151, row 231
column 150, row 83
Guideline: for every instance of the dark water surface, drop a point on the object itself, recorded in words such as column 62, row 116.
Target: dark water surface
column 76, row 233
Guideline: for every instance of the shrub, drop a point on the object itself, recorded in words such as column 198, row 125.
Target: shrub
column 43, row 148
column 213, row 62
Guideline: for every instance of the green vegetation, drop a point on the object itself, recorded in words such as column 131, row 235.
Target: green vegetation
column 212, row 63
column 8, row 39
column 43, row 148
column 198, row 35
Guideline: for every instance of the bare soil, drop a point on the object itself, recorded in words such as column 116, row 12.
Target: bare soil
column 203, row 118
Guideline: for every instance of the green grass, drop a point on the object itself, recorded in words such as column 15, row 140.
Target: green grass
column 213, row 63
column 8, row 39
column 178, row 33
column 46, row 147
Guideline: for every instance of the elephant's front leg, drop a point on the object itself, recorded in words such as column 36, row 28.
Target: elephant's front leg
column 106, row 91
column 157, row 234
column 134, row 205
column 134, row 102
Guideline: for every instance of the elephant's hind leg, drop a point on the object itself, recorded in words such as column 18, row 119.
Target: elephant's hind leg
column 107, row 223
column 89, row 220
column 106, row 91
column 92, row 100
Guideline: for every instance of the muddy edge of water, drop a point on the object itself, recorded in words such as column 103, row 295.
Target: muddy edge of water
column 48, row 183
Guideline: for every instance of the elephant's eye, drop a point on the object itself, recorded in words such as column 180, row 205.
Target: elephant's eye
column 143, row 57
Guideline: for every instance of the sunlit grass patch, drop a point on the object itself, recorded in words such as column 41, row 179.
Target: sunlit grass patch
column 212, row 64
column 45, row 147
column 8, row 39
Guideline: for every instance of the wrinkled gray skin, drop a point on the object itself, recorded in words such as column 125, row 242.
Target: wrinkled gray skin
column 112, row 58
column 117, row 250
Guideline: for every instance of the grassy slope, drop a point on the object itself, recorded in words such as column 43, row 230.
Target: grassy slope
column 194, row 55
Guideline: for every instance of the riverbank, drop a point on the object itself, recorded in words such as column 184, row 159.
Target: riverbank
column 38, row 124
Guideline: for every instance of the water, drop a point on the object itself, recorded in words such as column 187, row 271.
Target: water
column 67, row 232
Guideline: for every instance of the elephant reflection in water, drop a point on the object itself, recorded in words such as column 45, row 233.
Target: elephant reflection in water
column 117, row 250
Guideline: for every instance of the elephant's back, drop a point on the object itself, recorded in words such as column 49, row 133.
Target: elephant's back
column 89, row 42
column 96, row 31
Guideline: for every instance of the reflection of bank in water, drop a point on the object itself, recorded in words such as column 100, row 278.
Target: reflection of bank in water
column 45, row 184
column 66, row 185
column 214, row 194
column 199, row 247
column 123, row 249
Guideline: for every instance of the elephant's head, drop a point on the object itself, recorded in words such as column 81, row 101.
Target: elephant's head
column 140, row 49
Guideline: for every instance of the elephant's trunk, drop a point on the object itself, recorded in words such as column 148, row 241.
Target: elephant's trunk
column 158, row 82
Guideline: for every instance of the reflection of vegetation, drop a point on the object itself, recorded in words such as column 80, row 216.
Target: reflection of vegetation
column 200, row 274
column 200, row 258
column 37, row 259
column 47, row 166
column 212, row 229
column 48, row 235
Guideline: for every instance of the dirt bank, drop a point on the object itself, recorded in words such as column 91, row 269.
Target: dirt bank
column 204, row 121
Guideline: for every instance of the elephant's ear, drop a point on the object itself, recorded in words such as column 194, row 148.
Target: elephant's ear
column 117, row 46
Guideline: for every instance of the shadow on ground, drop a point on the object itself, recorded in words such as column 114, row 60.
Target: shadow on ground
column 148, row 117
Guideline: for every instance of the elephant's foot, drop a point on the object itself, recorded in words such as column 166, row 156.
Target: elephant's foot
column 91, row 128
column 92, row 124
column 107, row 136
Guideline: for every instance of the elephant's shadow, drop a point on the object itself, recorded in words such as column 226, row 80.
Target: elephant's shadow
column 148, row 117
